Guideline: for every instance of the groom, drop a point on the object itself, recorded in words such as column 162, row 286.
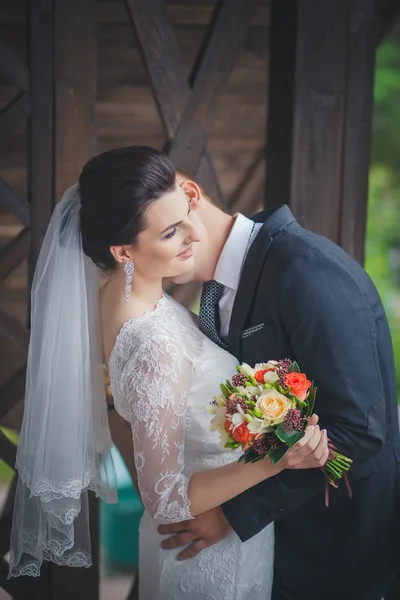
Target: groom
column 274, row 290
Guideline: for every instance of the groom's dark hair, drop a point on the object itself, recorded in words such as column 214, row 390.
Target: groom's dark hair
column 116, row 188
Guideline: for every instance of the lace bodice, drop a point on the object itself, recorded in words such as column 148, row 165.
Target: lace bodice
column 153, row 369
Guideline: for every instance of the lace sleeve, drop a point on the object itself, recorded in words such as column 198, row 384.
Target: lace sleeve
column 157, row 380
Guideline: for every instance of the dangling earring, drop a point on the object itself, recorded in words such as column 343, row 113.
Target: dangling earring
column 129, row 267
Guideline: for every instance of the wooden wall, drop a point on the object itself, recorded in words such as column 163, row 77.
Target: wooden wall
column 126, row 113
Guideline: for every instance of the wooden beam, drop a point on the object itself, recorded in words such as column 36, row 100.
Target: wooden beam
column 75, row 96
column 14, row 253
column 248, row 195
column 15, row 204
column 12, row 391
column 6, row 517
column 166, row 72
column 357, row 127
column 14, row 114
column 281, row 99
column 12, row 329
column 79, row 582
column 13, row 68
column 320, row 109
column 75, row 89
column 229, row 27
column 388, row 17
column 41, row 131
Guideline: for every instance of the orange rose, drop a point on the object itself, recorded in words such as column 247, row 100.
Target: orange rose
column 242, row 435
column 298, row 384
column 228, row 425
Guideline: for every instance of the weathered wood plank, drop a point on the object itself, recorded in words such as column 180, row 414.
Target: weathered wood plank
column 12, row 391
column 75, row 89
column 79, row 582
column 41, row 135
column 248, row 195
column 14, row 113
column 13, row 330
column 13, row 68
column 316, row 74
column 17, row 205
column 281, row 98
column 357, row 140
column 224, row 41
column 389, row 15
column 14, row 253
column 161, row 56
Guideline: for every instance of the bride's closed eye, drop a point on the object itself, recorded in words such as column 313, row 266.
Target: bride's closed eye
column 171, row 234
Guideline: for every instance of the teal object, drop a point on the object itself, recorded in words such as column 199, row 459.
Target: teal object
column 119, row 523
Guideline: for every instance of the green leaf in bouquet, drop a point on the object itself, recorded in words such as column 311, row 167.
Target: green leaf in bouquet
column 232, row 444
column 294, row 368
column 250, row 456
column 277, row 454
column 311, row 401
column 225, row 390
column 290, row 437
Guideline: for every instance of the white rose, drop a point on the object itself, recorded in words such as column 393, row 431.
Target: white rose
column 274, row 406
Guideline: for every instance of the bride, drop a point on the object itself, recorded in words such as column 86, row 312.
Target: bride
column 129, row 219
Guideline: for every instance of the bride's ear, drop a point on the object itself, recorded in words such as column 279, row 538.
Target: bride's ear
column 193, row 193
column 121, row 254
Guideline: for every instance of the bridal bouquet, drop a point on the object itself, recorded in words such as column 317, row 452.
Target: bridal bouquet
column 265, row 411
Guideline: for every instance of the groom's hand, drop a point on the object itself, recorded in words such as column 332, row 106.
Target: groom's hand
column 205, row 530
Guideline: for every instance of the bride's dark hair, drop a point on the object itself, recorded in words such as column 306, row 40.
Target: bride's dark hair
column 116, row 188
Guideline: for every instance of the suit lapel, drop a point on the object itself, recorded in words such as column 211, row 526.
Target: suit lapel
column 274, row 220
column 247, row 286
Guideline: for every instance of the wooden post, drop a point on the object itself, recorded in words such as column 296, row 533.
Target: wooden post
column 75, row 89
column 320, row 110
column 75, row 97
column 41, row 134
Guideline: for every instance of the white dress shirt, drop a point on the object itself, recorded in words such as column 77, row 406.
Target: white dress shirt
column 230, row 264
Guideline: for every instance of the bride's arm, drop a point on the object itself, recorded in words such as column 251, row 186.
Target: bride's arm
column 157, row 381
column 208, row 489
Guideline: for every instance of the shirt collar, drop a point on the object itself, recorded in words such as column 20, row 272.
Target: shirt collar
column 233, row 253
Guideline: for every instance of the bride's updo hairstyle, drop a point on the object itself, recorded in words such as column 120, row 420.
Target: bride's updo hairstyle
column 116, row 188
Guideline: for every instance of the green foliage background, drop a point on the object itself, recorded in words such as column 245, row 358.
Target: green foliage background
column 383, row 223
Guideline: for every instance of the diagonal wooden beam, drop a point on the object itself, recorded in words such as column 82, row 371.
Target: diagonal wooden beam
column 12, row 391
column 13, row 68
column 14, row 253
column 162, row 59
column 249, row 186
column 14, row 113
column 13, row 330
column 14, row 202
column 230, row 24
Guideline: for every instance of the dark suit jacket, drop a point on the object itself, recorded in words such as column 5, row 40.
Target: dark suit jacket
column 302, row 297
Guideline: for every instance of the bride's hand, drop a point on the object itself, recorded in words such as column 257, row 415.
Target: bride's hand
column 310, row 452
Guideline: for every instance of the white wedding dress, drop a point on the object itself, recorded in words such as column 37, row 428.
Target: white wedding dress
column 163, row 373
